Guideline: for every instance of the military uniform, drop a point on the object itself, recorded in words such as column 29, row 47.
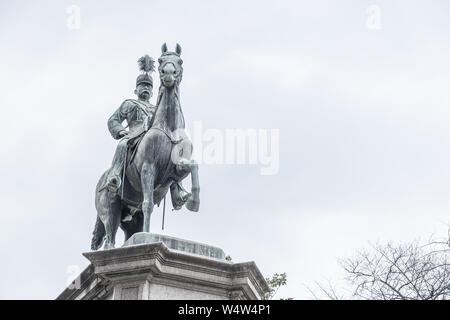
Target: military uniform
column 138, row 115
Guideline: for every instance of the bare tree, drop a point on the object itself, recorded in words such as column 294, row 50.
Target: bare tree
column 412, row 271
column 325, row 292
column 401, row 272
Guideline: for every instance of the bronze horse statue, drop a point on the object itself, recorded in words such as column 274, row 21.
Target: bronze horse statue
column 162, row 159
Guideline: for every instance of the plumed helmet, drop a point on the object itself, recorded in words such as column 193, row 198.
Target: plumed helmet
column 146, row 65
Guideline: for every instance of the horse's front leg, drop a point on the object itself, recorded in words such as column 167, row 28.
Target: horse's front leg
column 147, row 182
column 193, row 202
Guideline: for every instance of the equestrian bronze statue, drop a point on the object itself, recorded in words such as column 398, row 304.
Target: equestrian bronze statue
column 153, row 156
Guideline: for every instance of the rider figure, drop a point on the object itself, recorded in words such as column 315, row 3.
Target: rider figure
column 138, row 114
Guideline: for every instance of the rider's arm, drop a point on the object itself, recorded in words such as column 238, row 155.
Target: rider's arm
column 115, row 121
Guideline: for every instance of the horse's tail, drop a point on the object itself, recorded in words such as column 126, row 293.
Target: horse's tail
column 98, row 235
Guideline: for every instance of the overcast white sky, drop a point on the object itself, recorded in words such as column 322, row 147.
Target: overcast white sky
column 363, row 116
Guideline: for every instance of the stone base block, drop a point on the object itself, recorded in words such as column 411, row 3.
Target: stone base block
column 153, row 271
column 176, row 244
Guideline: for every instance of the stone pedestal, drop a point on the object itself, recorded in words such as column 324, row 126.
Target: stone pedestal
column 168, row 269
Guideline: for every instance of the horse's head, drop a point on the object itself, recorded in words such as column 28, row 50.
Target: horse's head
column 170, row 66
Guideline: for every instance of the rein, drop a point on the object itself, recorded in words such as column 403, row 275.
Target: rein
column 168, row 135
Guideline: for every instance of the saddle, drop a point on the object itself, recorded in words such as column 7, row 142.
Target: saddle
column 133, row 145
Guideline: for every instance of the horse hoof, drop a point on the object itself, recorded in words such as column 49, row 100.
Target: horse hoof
column 192, row 205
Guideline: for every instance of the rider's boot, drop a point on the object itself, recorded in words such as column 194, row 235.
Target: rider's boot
column 114, row 179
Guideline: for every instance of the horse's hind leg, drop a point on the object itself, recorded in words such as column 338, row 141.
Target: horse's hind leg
column 113, row 220
column 147, row 181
